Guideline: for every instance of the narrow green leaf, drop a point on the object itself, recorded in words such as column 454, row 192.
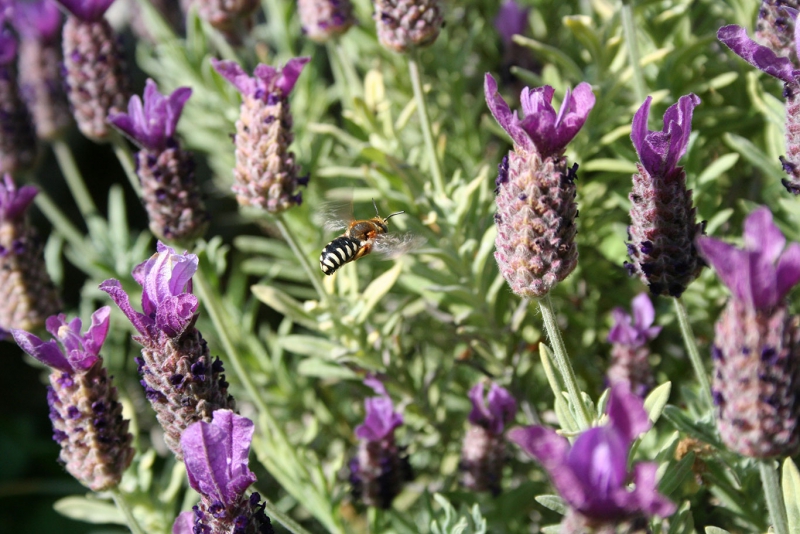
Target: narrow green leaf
column 573, row 71
column 753, row 154
column 790, row 481
column 621, row 166
column 325, row 369
column 89, row 510
column 546, row 356
column 719, row 166
column 716, row 530
column 552, row 502
column 377, row 289
column 656, row 400
column 317, row 347
column 283, row 303
column 676, row 474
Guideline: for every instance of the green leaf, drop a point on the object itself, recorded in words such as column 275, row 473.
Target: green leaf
column 377, row 289
column 621, row 166
column 283, row 303
column 716, row 530
column 546, row 356
column 656, row 400
column 719, row 166
column 553, row 54
column 676, row 474
column 790, row 481
column 753, row 154
column 317, row 347
column 718, row 220
column 552, row 502
column 325, row 369
column 89, row 510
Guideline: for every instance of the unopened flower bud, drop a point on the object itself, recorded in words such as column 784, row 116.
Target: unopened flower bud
column 407, row 24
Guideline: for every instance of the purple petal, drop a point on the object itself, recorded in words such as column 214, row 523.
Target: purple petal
column 762, row 236
column 376, row 385
column 502, row 407
column 231, row 71
column 13, row 201
column 124, row 123
column 240, row 429
column 627, row 415
column 98, row 330
column 176, row 314
column 678, row 126
column 761, row 57
column 46, row 352
column 503, row 115
column 290, row 73
column 184, row 523
column 622, row 331
column 87, row 10
column 511, row 20
column 659, row 151
column 174, row 107
column 788, row 270
column 140, row 322
column 639, row 133
column 729, row 262
column 380, row 421
column 643, row 311
column 599, row 460
column 645, row 495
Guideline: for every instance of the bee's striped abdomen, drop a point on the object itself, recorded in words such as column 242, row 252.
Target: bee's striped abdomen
column 338, row 252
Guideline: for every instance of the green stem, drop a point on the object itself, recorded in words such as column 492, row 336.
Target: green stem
column 74, row 179
column 427, row 133
column 60, row 221
column 563, row 362
column 303, row 259
column 773, row 496
column 290, row 524
column 125, row 508
column 694, row 353
column 123, row 152
column 629, row 30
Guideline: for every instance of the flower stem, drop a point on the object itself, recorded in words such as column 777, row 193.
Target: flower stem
column 629, row 30
column 60, row 222
column 74, row 179
column 427, row 133
column 290, row 238
column 773, row 496
column 694, row 354
column 563, row 362
column 290, row 524
column 125, row 508
column 123, row 152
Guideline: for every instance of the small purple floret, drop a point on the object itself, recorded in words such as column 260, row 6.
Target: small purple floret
column 634, row 331
column 13, row 201
column 511, row 20
column 761, row 57
column 381, row 419
column 87, row 10
column 267, row 82
column 39, row 20
column 659, row 152
column 499, row 411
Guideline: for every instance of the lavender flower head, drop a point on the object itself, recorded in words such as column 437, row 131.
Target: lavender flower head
column 784, row 69
column 483, row 452
column 404, row 25
column 27, row 295
column 216, row 457
column 536, row 207
column 180, row 379
column 775, row 26
column 96, row 77
column 662, row 231
column 17, row 137
column 169, row 191
column 629, row 353
column 757, row 341
column 511, row 20
column 592, row 475
column 379, row 470
column 266, row 175
column 323, row 20
column 37, row 19
column 86, row 415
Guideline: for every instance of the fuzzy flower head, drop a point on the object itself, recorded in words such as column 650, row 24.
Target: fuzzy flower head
column 267, row 83
column 761, row 57
column 762, row 273
column 659, row 152
column 39, row 20
column 168, row 305
column 14, row 202
column 86, row 10
column 80, row 351
column 512, row 19
column 542, row 129
column 152, row 125
column 592, row 475
column 634, row 331
column 381, row 419
column 494, row 412
column 8, row 47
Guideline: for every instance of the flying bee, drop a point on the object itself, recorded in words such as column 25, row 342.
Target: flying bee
column 359, row 239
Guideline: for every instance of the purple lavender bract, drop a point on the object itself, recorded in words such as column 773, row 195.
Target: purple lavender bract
column 536, row 207
column 592, row 475
column 216, row 457
column 86, row 415
column 511, row 20
column 757, row 341
column 169, row 191
column 266, row 175
column 629, row 336
column 483, row 452
column 180, row 379
column 662, row 231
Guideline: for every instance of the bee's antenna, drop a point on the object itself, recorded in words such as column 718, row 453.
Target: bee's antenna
column 376, row 208
column 392, row 215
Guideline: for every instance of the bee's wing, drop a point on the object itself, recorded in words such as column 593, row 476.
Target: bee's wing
column 392, row 246
column 334, row 216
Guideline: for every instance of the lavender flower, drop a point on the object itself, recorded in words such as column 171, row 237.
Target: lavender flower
column 775, row 27
column 169, row 191
column 41, row 87
column 323, row 20
column 511, row 20
column 763, row 58
column 27, row 295
column 87, row 418
column 629, row 353
column 379, row 470
column 407, row 24
column 97, row 81
column 216, row 464
column 536, row 207
column 266, row 175
column 662, row 231
column 228, row 16
column 483, row 453
column 17, row 137
column 181, row 381
column 757, row 341
column 592, row 475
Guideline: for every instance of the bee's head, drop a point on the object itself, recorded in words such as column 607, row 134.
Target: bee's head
column 384, row 219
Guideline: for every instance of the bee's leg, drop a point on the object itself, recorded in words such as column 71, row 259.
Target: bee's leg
column 365, row 249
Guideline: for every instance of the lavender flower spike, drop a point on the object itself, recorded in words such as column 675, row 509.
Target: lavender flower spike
column 511, row 20
column 169, row 191
column 775, row 27
column 323, row 20
column 216, row 464
column 266, row 175
column 379, row 470
column 41, row 86
column 86, row 415
column 629, row 336
column 181, row 381
column 592, row 475
column 662, row 231
column 483, row 453
column 757, row 341
column 27, row 295
column 96, row 77
column 536, row 207
column 407, row 24
column 17, row 137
